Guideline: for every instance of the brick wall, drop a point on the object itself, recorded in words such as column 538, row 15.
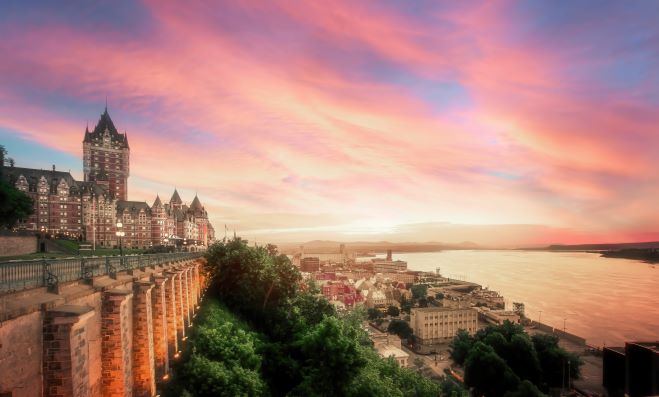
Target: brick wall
column 20, row 355
column 159, row 312
column 110, row 338
column 143, row 366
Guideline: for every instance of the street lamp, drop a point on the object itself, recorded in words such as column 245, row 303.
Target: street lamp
column 120, row 233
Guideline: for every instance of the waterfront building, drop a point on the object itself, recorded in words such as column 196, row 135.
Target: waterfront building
column 384, row 266
column 439, row 324
column 89, row 210
column 400, row 276
column 310, row 264
column 498, row 317
column 632, row 370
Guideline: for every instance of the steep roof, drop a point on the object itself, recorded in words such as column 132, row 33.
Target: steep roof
column 196, row 204
column 176, row 199
column 157, row 203
column 106, row 123
column 33, row 175
column 92, row 187
column 132, row 206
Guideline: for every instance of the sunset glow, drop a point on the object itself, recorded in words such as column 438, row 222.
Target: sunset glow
column 502, row 123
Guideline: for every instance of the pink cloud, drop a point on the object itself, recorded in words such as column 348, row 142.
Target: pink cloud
column 283, row 126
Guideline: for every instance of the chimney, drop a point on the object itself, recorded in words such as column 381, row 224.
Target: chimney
column 389, row 255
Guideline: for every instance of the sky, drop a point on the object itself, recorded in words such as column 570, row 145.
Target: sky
column 497, row 122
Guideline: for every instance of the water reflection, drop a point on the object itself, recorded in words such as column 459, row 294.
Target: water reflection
column 605, row 300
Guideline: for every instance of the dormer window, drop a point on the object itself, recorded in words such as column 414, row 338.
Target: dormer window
column 106, row 137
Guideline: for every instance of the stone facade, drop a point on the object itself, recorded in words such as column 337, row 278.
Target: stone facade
column 117, row 362
column 17, row 245
column 144, row 382
column 107, row 338
column 440, row 324
column 172, row 320
column 65, row 353
column 159, row 312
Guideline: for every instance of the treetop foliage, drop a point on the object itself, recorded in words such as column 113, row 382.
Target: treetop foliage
column 504, row 358
column 14, row 204
column 289, row 342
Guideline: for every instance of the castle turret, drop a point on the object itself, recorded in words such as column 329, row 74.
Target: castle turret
column 105, row 149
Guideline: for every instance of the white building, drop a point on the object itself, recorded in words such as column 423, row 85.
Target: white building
column 388, row 345
column 440, row 324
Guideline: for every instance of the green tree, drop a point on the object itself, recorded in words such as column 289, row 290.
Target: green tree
column 393, row 311
column 555, row 362
column 406, row 305
column 332, row 358
column 400, row 328
column 419, row 291
column 460, row 346
column 251, row 280
column 384, row 377
column 522, row 358
column 374, row 314
column 526, row 389
column 209, row 378
column 487, row 373
column 222, row 359
column 14, row 205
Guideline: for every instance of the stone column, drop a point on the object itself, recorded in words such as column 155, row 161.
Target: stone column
column 159, row 310
column 116, row 347
column 185, row 305
column 144, row 384
column 195, row 283
column 191, row 306
column 180, row 314
column 172, row 318
column 65, row 351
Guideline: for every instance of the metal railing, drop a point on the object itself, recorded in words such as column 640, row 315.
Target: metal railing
column 36, row 273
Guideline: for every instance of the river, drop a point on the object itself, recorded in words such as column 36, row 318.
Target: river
column 605, row 300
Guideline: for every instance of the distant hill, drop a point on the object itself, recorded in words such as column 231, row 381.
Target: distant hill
column 603, row 247
column 327, row 247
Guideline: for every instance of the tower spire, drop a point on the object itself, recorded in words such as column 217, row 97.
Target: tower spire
column 106, row 103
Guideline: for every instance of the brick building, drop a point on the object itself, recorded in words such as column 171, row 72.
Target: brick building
column 105, row 156
column 89, row 210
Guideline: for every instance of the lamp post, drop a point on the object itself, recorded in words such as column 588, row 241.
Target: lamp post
column 120, row 233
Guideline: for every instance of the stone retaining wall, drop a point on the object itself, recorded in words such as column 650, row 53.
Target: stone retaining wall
column 17, row 245
column 110, row 338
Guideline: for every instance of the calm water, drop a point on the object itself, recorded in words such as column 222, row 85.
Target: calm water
column 601, row 299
